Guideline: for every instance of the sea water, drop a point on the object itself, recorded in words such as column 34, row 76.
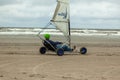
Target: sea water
column 75, row 31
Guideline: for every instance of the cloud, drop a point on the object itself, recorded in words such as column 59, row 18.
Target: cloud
column 96, row 13
column 100, row 9
column 39, row 12
column 27, row 8
column 8, row 2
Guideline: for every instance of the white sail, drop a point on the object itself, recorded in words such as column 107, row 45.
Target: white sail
column 61, row 17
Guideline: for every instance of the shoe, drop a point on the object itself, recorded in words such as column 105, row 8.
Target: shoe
column 74, row 47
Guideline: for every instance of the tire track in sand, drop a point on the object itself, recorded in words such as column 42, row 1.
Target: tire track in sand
column 7, row 64
column 112, row 69
column 45, row 63
column 42, row 64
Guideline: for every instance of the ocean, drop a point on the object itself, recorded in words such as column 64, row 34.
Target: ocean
column 74, row 31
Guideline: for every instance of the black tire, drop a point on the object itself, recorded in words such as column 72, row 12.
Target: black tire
column 83, row 50
column 43, row 50
column 60, row 52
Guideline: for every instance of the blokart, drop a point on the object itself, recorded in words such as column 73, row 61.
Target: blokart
column 61, row 20
column 59, row 51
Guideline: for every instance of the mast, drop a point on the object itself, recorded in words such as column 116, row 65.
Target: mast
column 69, row 24
column 69, row 31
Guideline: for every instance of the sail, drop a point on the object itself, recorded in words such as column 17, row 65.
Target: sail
column 61, row 17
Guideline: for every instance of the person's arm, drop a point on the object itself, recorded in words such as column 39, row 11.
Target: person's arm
column 58, row 42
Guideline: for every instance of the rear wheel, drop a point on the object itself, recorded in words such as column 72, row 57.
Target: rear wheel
column 60, row 52
column 43, row 50
column 83, row 50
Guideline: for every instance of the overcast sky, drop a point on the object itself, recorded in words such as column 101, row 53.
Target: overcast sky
column 37, row 13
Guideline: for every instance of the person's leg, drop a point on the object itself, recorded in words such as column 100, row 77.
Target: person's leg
column 67, row 48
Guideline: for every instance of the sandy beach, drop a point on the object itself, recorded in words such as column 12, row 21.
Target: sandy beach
column 20, row 59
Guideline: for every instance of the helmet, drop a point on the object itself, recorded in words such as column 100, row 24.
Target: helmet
column 47, row 36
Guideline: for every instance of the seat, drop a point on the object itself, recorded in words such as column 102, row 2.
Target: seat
column 48, row 46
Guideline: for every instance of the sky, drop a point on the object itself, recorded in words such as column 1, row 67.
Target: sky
column 102, row 14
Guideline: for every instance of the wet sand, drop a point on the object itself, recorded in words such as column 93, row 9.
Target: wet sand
column 20, row 59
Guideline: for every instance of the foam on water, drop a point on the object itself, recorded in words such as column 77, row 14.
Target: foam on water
column 34, row 31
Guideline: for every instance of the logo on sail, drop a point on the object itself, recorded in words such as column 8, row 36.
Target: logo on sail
column 63, row 14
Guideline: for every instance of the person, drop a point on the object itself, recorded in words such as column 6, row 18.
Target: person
column 53, row 45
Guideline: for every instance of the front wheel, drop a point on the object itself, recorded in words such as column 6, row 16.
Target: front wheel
column 83, row 50
column 43, row 50
column 60, row 52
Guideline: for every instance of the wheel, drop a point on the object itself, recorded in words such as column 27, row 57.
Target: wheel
column 42, row 50
column 83, row 50
column 60, row 52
